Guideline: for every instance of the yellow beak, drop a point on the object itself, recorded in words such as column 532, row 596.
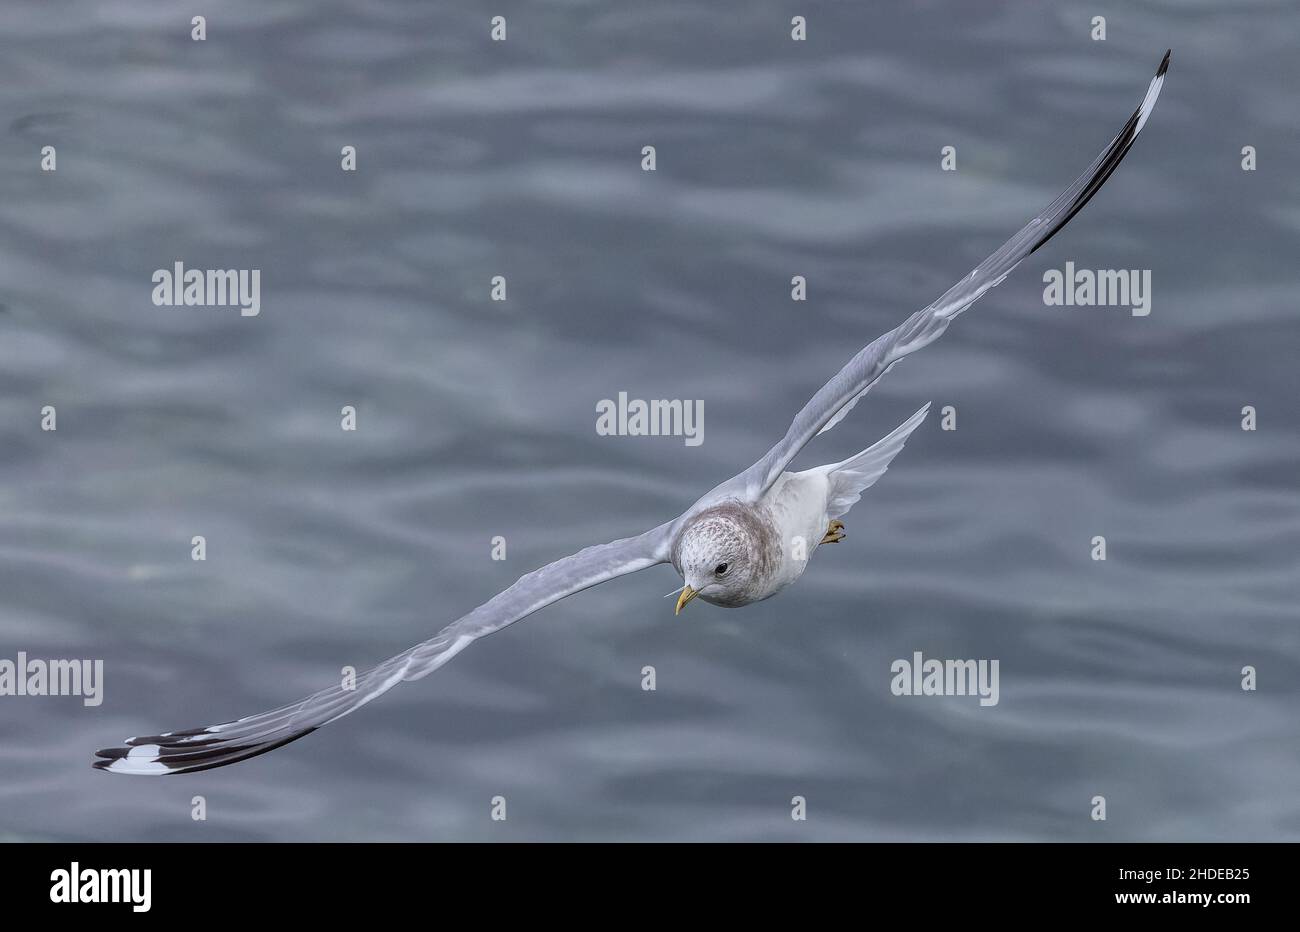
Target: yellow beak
column 687, row 594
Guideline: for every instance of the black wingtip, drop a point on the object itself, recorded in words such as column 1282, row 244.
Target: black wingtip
column 1164, row 63
column 169, row 737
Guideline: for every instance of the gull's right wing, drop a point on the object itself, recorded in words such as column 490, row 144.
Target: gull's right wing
column 838, row 396
column 229, row 742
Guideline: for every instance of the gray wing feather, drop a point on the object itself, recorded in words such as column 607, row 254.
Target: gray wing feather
column 838, row 396
column 229, row 742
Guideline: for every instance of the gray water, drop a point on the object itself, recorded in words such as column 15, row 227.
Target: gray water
column 776, row 158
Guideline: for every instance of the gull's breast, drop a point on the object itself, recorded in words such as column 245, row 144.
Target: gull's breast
column 797, row 505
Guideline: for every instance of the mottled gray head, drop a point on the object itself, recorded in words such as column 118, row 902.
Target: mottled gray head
column 724, row 555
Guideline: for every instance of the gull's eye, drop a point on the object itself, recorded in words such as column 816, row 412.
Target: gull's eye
column 721, row 569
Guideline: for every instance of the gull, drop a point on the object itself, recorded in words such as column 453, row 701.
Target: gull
column 741, row 542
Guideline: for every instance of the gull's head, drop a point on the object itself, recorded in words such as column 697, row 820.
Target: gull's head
column 719, row 554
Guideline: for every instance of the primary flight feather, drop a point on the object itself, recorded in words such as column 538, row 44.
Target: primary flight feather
column 743, row 541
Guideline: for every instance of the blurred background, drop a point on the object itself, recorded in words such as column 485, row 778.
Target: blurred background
column 477, row 418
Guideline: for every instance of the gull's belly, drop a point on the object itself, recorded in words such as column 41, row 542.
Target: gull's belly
column 797, row 504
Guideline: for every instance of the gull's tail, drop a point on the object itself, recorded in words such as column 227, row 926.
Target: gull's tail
column 849, row 479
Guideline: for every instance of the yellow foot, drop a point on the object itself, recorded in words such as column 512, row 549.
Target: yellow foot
column 834, row 533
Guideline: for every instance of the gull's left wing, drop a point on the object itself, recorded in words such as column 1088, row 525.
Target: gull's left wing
column 838, row 396
column 227, row 743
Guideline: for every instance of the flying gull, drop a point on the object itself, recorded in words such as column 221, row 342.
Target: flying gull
column 742, row 542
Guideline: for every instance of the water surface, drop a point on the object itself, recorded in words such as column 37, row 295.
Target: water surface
column 477, row 418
